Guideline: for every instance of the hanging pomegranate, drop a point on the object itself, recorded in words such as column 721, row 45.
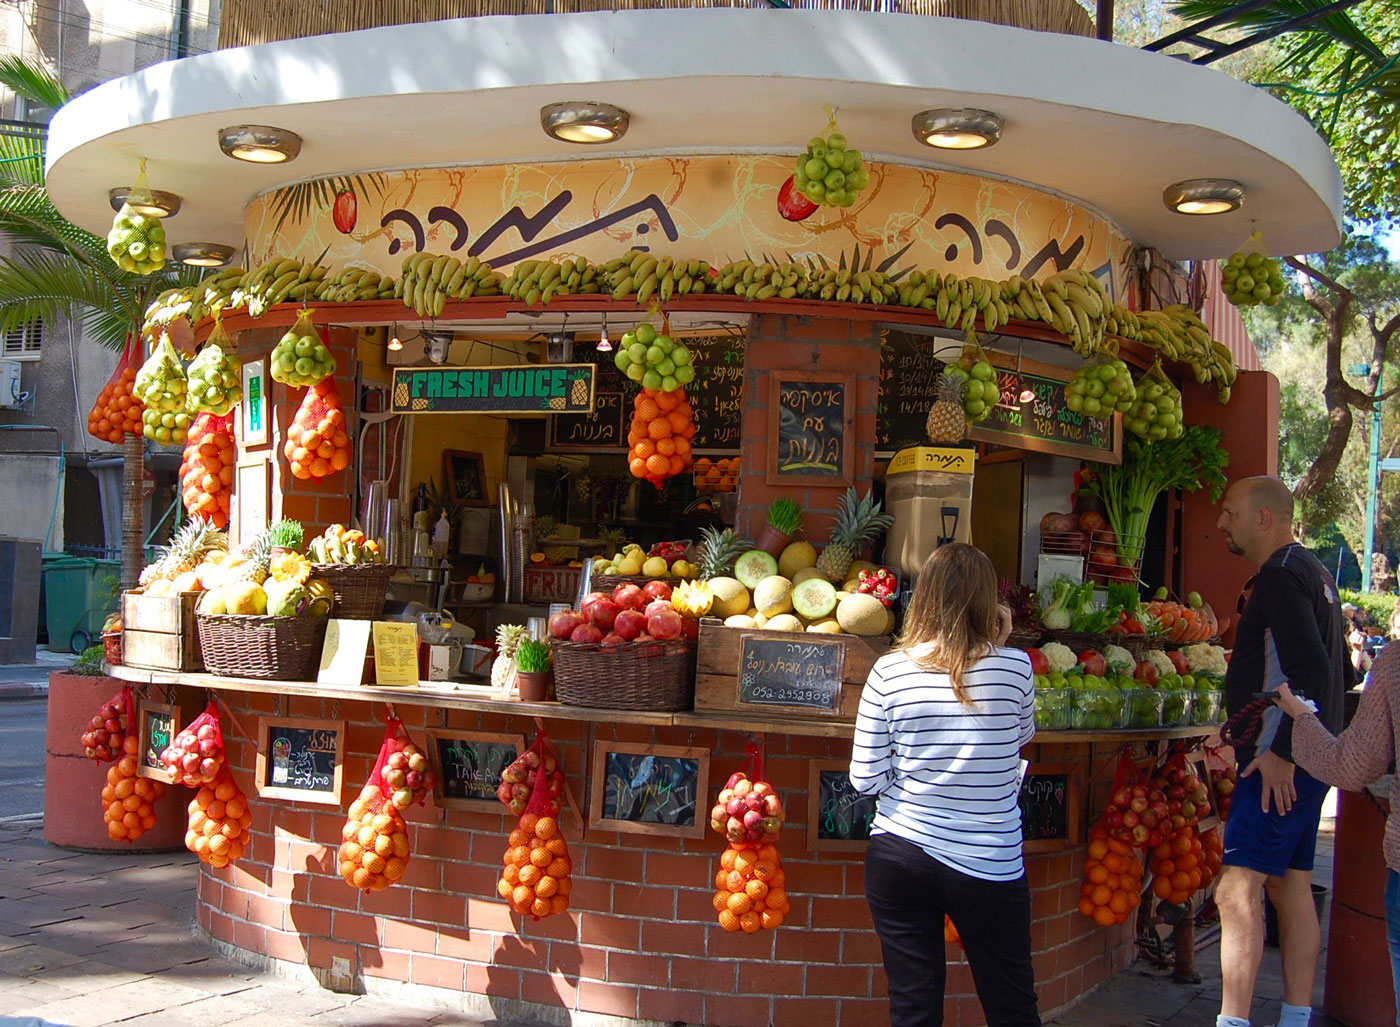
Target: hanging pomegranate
column 343, row 212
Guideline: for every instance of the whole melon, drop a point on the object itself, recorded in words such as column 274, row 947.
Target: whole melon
column 773, row 596
column 795, row 557
column 825, row 626
column 731, row 597
column 783, row 622
column 806, row 573
column 862, row 615
column 739, row 620
column 861, row 565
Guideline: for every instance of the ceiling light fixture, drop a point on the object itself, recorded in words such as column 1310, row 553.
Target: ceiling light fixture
column 395, row 343
column 604, row 344
column 158, row 204
column 438, row 344
column 203, row 254
column 1204, row 196
column 260, row 144
column 584, row 122
column 963, row 128
column 1027, row 394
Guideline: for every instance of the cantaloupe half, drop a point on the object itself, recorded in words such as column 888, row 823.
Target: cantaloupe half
column 814, row 598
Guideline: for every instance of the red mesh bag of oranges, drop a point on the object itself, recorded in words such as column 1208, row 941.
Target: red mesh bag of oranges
column 1112, row 885
column 750, row 885
column 318, row 441
column 537, row 876
column 220, row 822
column 128, row 800
column 374, row 849
column 117, row 411
column 1178, row 866
column 206, row 473
column 663, row 424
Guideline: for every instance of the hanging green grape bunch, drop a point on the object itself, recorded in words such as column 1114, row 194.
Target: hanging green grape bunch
column 828, row 173
column 1100, row 388
column 1252, row 278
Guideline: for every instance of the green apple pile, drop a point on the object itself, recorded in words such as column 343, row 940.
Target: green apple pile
column 136, row 242
column 979, row 379
column 828, row 173
column 161, row 386
column 300, row 358
column 215, row 381
column 1156, row 412
column 1100, row 388
column 653, row 359
column 1252, row 278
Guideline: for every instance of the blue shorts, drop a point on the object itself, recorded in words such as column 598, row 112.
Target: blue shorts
column 1272, row 843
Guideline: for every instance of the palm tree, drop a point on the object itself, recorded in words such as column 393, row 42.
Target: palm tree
column 59, row 270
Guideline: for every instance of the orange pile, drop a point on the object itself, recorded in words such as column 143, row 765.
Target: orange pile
column 750, row 889
column 374, row 842
column 318, row 443
column 950, row 932
column 1212, row 852
column 1182, row 623
column 128, row 799
column 537, row 877
column 1177, row 867
column 662, row 426
column 720, row 475
column 1112, row 885
column 219, row 822
column 117, row 411
column 206, row 474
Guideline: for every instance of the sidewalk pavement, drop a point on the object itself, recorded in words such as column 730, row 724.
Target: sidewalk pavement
column 31, row 680
column 90, row 940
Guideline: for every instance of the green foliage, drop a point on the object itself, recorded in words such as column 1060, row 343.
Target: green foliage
column 287, row 533
column 89, row 663
column 785, row 516
column 1379, row 605
column 532, row 657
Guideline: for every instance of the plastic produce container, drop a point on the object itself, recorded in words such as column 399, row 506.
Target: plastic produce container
column 1099, row 709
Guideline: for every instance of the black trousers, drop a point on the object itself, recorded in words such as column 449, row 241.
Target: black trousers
column 909, row 892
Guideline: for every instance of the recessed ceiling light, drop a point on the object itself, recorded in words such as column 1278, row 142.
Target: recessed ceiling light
column 203, row 254
column 160, row 204
column 584, row 122
column 964, row 128
column 260, row 144
column 1204, row 196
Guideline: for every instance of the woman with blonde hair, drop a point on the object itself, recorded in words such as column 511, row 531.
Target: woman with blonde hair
column 939, row 731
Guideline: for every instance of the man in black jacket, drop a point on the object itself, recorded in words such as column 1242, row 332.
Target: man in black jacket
column 1291, row 631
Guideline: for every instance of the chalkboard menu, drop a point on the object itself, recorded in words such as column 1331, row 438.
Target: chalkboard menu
column 522, row 389
column 605, row 429
column 469, row 766
column 842, row 816
column 1050, row 807
column 649, row 789
column 160, row 722
column 716, row 392
column 1045, row 424
column 908, row 387
column 301, row 759
column 811, row 429
column 776, row 672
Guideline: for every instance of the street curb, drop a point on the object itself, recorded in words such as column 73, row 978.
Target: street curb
column 23, row 690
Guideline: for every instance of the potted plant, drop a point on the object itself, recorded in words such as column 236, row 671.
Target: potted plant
column 532, row 670
column 286, row 536
column 784, row 522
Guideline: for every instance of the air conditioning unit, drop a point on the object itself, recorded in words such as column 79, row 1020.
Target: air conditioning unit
column 11, row 395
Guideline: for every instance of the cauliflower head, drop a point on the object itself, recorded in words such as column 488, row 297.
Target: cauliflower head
column 1203, row 658
column 1158, row 659
column 1060, row 657
column 1118, row 659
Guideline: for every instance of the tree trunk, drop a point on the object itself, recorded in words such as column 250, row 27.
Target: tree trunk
column 133, row 523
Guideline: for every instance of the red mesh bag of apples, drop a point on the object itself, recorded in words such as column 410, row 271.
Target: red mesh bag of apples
column 401, row 770
column 196, row 755
column 750, row 885
column 105, row 737
column 521, row 779
column 537, row 872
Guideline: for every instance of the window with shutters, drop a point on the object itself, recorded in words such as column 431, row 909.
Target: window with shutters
column 24, row 341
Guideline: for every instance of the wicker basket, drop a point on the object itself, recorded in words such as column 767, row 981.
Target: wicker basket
column 1079, row 640
column 1024, row 638
column 360, row 588
column 276, row 648
column 112, row 648
column 608, row 582
column 1139, row 645
column 636, row 676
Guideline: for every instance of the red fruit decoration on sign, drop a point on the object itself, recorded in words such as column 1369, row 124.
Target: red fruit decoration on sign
column 792, row 204
column 343, row 212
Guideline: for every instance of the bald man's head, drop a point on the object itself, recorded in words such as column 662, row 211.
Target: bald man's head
column 1256, row 517
column 1265, row 492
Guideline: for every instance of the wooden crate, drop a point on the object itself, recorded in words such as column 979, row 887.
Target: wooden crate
column 159, row 632
column 717, row 669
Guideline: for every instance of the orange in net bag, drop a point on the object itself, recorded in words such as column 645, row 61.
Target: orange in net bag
column 663, row 424
column 318, row 441
column 374, row 848
column 128, row 800
column 206, row 472
column 117, row 411
column 220, row 822
column 1112, row 885
column 537, row 876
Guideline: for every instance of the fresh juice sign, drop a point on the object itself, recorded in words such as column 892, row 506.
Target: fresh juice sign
column 526, row 389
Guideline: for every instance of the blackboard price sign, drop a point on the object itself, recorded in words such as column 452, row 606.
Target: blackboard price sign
column 908, row 387
column 842, row 816
column 603, row 430
column 469, row 765
column 301, row 759
column 1049, row 802
column 811, row 428
column 522, row 389
column 160, row 723
column 1046, row 424
column 777, row 672
column 716, row 392
column 649, row 789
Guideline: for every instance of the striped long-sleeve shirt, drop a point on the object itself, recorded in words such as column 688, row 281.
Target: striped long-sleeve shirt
column 947, row 774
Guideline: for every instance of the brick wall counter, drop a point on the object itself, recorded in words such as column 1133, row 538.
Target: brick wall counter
column 640, row 941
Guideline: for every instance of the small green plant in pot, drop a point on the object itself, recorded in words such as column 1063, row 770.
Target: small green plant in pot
column 532, row 665
column 286, row 536
column 784, row 522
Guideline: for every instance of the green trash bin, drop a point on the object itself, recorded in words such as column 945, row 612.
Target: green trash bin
column 77, row 599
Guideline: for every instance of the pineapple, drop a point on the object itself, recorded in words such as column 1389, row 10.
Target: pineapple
column 947, row 421
column 718, row 551
column 508, row 639
column 256, row 559
column 195, row 540
column 291, row 567
column 614, row 540
column 858, row 521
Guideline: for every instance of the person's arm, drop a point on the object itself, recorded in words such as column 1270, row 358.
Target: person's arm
column 871, row 770
column 1027, row 703
column 1302, row 656
column 1361, row 753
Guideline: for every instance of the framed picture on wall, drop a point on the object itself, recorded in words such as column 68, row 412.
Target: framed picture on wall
column 464, row 476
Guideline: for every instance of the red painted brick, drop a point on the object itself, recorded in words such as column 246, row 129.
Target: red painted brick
column 525, row 954
column 857, row 1012
column 439, row 907
column 671, row 1006
column 309, row 920
column 320, row 952
column 396, row 902
column 548, row 989
column 710, row 976
column 860, row 947
column 560, row 928
column 400, row 934
column 738, row 1010
column 823, row 328
column 682, row 870
column 645, row 900
column 359, row 928
column 631, row 968
column 838, row 980
column 265, row 911
column 591, row 895
column 808, row 946
column 494, row 981
column 694, row 906
column 677, row 939
column 821, row 879
column 764, row 978
column 473, row 946
column 614, row 932
column 385, row 963
column 806, row 1012
column 613, row 864
column 436, row 972
column 220, row 926
column 612, row 999
column 483, row 915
